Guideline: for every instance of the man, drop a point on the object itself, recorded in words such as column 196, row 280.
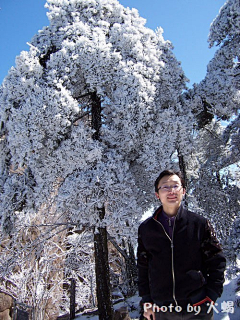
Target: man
column 180, row 261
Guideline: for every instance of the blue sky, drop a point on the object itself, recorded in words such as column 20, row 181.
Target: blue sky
column 185, row 23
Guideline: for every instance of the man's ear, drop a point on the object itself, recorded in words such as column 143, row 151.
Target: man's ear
column 184, row 191
column 156, row 194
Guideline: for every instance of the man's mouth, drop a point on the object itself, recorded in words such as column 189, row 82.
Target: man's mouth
column 172, row 197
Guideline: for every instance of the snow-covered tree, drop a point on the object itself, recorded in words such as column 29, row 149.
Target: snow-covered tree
column 32, row 266
column 213, row 163
column 85, row 118
column 89, row 116
column 219, row 91
column 213, row 187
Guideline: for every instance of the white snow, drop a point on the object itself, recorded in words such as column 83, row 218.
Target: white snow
column 229, row 294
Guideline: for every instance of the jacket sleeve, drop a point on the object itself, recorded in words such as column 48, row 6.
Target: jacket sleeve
column 142, row 264
column 214, row 263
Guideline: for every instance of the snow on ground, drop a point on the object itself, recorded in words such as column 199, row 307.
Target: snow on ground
column 229, row 296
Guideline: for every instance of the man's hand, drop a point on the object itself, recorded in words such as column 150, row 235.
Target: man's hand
column 148, row 312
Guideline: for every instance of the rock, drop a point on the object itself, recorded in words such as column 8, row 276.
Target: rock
column 121, row 314
column 5, row 302
column 5, row 315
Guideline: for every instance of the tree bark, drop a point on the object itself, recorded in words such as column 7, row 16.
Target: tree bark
column 96, row 116
column 72, row 298
column 131, row 270
column 182, row 167
column 104, row 300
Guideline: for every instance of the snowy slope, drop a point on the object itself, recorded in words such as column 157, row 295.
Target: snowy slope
column 229, row 294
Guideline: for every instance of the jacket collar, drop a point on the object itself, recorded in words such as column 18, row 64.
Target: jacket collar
column 180, row 214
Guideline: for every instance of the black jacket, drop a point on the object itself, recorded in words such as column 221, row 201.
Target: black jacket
column 183, row 270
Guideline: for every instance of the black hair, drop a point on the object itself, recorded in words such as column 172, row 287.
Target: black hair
column 169, row 173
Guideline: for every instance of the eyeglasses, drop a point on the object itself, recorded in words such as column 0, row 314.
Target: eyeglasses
column 166, row 188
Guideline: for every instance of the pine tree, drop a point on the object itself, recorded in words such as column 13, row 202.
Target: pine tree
column 214, row 161
column 83, row 125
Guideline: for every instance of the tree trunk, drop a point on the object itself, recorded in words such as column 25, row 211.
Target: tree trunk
column 131, row 269
column 72, row 298
column 104, row 300
column 96, row 115
column 182, row 167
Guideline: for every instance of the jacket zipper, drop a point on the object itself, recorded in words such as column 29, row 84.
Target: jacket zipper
column 173, row 273
column 172, row 246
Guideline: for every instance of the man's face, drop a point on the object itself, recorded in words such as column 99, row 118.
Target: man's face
column 170, row 191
